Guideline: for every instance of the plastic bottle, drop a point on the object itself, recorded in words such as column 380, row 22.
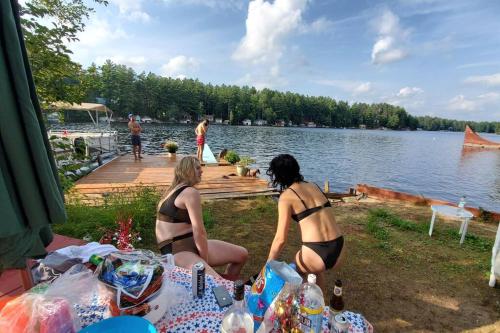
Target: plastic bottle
column 237, row 318
column 311, row 303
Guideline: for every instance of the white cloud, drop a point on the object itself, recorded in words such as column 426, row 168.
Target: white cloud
column 390, row 41
column 459, row 102
column 490, row 80
column 216, row 4
column 136, row 62
column 409, row 92
column 99, row 32
column 320, row 25
column 353, row 87
column 268, row 25
column 131, row 10
column 179, row 66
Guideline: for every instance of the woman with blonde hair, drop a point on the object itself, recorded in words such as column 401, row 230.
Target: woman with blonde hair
column 180, row 229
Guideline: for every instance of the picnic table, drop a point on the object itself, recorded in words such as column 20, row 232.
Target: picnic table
column 201, row 315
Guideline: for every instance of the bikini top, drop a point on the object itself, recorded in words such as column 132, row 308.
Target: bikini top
column 308, row 211
column 173, row 213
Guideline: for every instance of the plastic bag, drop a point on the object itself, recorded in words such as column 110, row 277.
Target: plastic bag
column 30, row 313
column 266, row 288
column 136, row 275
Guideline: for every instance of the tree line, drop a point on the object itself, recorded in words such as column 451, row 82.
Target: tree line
column 58, row 78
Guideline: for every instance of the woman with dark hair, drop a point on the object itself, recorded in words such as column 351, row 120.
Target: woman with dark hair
column 180, row 229
column 306, row 204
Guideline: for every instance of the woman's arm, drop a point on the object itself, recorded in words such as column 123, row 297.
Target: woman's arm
column 192, row 201
column 284, row 219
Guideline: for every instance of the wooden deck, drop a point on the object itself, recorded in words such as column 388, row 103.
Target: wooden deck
column 124, row 173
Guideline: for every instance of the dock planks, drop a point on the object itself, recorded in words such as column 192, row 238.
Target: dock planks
column 124, row 174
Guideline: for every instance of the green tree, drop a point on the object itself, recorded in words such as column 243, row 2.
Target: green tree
column 56, row 76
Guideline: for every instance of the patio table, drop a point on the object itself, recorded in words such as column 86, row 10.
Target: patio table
column 453, row 212
column 203, row 315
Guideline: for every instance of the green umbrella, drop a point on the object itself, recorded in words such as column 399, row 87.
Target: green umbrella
column 30, row 195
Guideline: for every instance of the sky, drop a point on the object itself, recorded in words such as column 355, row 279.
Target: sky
column 432, row 57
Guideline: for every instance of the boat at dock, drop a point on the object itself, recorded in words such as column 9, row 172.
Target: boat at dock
column 94, row 147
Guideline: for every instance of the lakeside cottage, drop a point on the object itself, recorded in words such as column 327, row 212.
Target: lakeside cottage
column 218, row 120
column 260, row 122
column 247, row 122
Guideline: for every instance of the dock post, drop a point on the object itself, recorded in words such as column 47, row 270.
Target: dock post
column 327, row 186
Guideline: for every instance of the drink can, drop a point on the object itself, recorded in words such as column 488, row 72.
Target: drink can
column 95, row 259
column 341, row 324
column 198, row 279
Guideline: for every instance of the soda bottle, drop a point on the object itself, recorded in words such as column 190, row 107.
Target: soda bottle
column 311, row 304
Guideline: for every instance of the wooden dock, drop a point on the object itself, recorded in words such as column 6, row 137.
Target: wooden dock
column 157, row 171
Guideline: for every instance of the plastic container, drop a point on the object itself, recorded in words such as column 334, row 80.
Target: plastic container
column 311, row 303
column 122, row 324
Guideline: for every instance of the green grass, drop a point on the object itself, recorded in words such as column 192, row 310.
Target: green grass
column 93, row 221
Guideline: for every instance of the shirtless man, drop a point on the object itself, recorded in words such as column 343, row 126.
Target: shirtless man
column 201, row 132
column 135, row 131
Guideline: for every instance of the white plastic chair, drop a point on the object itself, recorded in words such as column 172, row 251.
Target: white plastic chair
column 495, row 260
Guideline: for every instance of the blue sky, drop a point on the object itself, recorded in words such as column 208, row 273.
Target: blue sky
column 433, row 57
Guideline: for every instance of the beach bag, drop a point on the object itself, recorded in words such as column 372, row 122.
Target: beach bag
column 274, row 277
column 136, row 275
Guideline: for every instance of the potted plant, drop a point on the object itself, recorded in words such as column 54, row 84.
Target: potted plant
column 171, row 147
column 232, row 157
column 242, row 165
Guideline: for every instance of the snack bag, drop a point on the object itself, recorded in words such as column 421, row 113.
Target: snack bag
column 270, row 282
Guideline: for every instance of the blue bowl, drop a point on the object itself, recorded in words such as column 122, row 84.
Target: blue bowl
column 122, row 324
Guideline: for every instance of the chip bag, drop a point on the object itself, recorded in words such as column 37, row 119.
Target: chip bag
column 273, row 277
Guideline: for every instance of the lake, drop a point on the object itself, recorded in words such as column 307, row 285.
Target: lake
column 432, row 164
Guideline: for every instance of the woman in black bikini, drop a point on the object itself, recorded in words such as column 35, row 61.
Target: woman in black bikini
column 306, row 204
column 180, row 229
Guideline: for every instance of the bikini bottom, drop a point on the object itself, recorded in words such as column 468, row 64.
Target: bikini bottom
column 329, row 251
column 178, row 244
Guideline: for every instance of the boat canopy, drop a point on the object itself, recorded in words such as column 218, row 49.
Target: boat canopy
column 89, row 107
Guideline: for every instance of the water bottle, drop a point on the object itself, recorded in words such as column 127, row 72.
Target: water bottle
column 461, row 206
column 311, row 306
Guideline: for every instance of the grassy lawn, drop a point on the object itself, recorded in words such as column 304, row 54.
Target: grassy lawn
column 394, row 273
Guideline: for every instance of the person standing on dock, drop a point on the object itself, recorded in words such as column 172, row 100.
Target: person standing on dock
column 201, row 132
column 135, row 131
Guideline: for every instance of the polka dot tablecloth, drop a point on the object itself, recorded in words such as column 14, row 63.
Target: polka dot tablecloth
column 203, row 315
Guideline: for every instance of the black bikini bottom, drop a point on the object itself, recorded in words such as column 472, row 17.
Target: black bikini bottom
column 329, row 251
column 178, row 244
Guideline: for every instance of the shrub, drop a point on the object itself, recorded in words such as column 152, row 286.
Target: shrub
column 245, row 161
column 171, row 146
column 232, row 157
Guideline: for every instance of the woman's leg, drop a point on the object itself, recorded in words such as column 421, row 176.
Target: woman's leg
column 198, row 153
column 187, row 259
column 221, row 253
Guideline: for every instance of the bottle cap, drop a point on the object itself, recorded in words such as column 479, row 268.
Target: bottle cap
column 239, row 290
column 311, row 278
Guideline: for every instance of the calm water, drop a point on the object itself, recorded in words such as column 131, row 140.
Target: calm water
column 432, row 164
